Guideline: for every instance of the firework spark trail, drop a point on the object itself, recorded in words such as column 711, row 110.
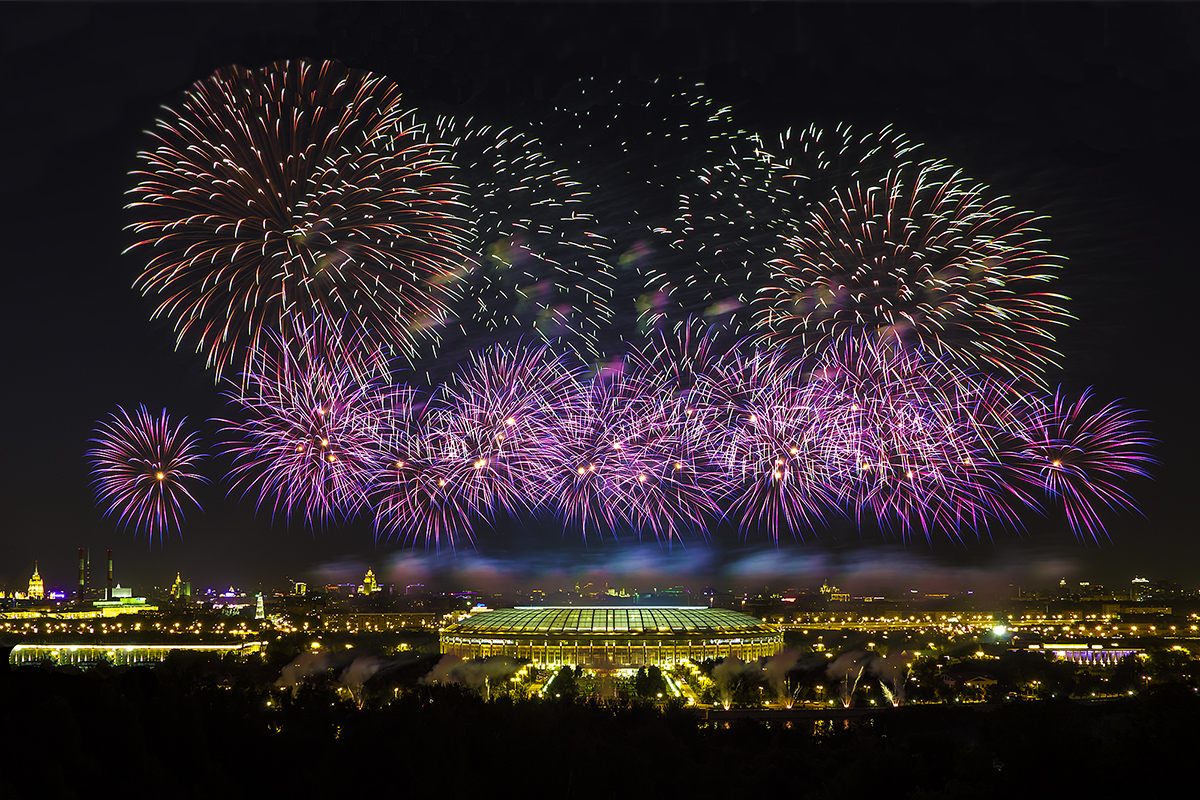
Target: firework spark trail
column 635, row 145
column 298, row 188
column 541, row 261
column 315, row 413
column 143, row 467
column 921, row 259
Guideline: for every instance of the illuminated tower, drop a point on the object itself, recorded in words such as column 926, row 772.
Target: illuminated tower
column 36, row 590
column 109, row 585
column 369, row 586
column 181, row 588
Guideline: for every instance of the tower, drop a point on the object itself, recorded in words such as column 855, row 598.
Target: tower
column 36, row 590
column 109, row 586
column 81, row 589
column 369, row 584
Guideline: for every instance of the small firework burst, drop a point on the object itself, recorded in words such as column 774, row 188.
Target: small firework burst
column 144, row 470
column 1078, row 454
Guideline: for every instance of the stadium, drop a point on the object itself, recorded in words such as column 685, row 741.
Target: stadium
column 611, row 637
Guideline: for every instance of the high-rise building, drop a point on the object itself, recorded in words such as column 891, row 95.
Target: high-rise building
column 82, row 587
column 36, row 590
column 181, row 588
column 369, row 585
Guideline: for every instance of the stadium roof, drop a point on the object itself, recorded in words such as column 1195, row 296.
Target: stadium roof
column 613, row 621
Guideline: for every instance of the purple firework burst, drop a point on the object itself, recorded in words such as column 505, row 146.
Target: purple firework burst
column 1077, row 454
column 417, row 489
column 144, row 470
column 314, row 417
column 768, row 439
column 905, row 438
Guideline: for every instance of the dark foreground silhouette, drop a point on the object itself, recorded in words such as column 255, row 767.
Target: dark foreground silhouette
column 209, row 728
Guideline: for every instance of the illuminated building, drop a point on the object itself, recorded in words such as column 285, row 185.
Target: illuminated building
column 612, row 637
column 84, row 655
column 369, row 585
column 180, row 588
column 36, row 590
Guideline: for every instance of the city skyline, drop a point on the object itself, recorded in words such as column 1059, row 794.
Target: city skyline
column 1090, row 137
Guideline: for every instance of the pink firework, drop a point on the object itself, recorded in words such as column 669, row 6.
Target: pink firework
column 314, row 417
column 496, row 418
column 144, row 470
column 419, row 486
column 770, row 428
column 619, row 461
column 905, row 438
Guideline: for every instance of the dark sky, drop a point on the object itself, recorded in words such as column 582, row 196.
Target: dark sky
column 1083, row 112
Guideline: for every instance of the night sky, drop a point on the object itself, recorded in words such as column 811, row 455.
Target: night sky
column 1082, row 112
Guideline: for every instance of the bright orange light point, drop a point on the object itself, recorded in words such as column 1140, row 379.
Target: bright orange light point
column 159, row 475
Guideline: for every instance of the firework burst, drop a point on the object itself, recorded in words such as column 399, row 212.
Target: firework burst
column 314, row 417
column 144, row 470
column 1077, row 454
column 768, row 430
column 295, row 188
column 922, row 259
column 417, row 489
column 906, row 438
column 497, row 419
column 541, row 260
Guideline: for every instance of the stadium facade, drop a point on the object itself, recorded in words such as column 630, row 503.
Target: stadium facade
column 611, row 637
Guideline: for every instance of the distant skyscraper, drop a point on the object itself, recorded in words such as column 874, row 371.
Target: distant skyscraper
column 36, row 590
column 181, row 588
column 369, row 585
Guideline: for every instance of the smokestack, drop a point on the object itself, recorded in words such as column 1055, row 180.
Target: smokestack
column 108, row 593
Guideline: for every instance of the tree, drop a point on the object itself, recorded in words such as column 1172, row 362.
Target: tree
column 650, row 683
column 564, row 686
